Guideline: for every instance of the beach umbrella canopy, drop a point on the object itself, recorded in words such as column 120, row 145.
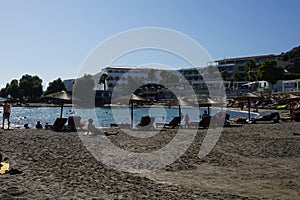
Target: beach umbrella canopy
column 289, row 98
column 135, row 99
column 131, row 99
column 180, row 101
column 208, row 102
column 61, row 96
column 248, row 97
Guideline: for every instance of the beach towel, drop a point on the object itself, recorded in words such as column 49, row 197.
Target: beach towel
column 4, row 167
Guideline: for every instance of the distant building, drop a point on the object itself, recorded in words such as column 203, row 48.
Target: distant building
column 120, row 74
column 233, row 65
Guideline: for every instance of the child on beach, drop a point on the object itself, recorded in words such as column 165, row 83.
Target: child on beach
column 6, row 115
column 186, row 119
column 91, row 127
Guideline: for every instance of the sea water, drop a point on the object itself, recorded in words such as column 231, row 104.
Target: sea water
column 104, row 116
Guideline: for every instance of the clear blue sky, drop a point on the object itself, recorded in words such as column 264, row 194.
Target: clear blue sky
column 51, row 38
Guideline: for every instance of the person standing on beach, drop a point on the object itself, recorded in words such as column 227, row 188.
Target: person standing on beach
column 6, row 114
column 187, row 120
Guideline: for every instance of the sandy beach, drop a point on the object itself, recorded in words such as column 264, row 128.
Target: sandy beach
column 252, row 161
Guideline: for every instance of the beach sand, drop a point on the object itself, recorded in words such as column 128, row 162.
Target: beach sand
column 248, row 162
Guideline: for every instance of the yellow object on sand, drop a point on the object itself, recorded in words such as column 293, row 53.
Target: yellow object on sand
column 4, row 167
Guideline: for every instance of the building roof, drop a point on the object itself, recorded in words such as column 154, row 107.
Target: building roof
column 125, row 67
column 250, row 57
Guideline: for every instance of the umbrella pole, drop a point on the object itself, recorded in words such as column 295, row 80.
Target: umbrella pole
column 61, row 109
column 248, row 108
column 131, row 114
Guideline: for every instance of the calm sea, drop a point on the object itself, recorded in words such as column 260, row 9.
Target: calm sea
column 105, row 115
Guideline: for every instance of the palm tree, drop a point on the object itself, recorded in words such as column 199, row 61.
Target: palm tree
column 102, row 80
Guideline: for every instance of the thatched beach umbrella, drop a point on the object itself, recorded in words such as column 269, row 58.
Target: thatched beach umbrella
column 131, row 99
column 180, row 101
column 290, row 98
column 135, row 99
column 61, row 96
column 208, row 102
column 248, row 97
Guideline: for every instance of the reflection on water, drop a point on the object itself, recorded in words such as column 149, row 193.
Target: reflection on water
column 105, row 116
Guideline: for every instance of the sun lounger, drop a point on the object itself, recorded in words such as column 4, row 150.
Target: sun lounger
column 274, row 116
column 146, row 123
column 205, row 122
column 238, row 120
column 59, row 124
column 175, row 122
column 123, row 125
column 292, row 117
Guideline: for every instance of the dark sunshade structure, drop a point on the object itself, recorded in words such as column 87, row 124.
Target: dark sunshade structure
column 208, row 102
column 289, row 98
column 131, row 99
column 135, row 99
column 62, row 97
column 248, row 97
column 180, row 101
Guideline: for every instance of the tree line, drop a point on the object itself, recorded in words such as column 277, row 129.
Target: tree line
column 268, row 71
column 30, row 88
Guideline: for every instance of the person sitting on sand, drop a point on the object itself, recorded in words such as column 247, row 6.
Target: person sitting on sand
column 26, row 126
column 91, row 127
column 38, row 125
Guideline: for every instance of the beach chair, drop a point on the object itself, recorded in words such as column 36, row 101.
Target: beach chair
column 293, row 117
column 146, row 123
column 220, row 119
column 274, row 116
column 205, row 122
column 175, row 122
column 59, row 124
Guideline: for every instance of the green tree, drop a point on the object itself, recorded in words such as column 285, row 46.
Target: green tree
column 13, row 89
column 31, row 87
column 151, row 75
column 269, row 71
column 132, row 84
column 237, row 76
column 55, row 86
column 168, row 77
column 37, row 88
column 2, row 92
column 250, row 69
column 102, row 80
column 224, row 74
column 83, row 91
